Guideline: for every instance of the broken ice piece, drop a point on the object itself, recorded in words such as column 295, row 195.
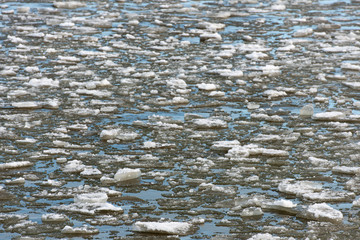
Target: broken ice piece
column 125, row 174
column 174, row 228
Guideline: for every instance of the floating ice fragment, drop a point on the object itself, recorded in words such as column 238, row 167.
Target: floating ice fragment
column 173, row 228
column 329, row 196
column 346, row 170
column 98, row 197
column 176, row 83
column 43, row 82
column 209, row 123
column 264, row 236
column 119, row 133
column 69, row 5
column 299, row 188
column 208, row 35
column 225, row 145
column 353, row 85
column 271, row 70
column 74, row 166
column 127, row 174
column 19, row 164
column 54, row 217
column 328, row 116
column 323, row 212
column 80, row 230
column 91, row 172
column 303, row 32
column 207, row 86
column 26, row 104
column 307, row 110
column 251, row 212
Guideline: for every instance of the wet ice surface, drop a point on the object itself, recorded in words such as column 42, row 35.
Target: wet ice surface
column 194, row 119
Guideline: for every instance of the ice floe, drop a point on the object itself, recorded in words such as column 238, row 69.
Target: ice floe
column 173, row 228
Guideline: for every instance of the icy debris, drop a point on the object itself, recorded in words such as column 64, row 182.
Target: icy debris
column 19, row 164
column 273, row 94
column 353, row 85
column 125, row 174
column 264, row 236
column 207, row 86
column 211, row 26
column 271, row 70
column 74, row 166
column 176, row 83
column 322, row 212
column 299, row 188
column 89, row 208
column 16, row 181
column 281, row 205
column 79, row 230
column 253, row 149
column 329, row 196
column 209, row 35
column 54, row 217
column 265, row 117
column 43, row 82
column 210, row 123
column 91, row 172
column 224, row 145
column 328, row 116
column 256, row 56
column 120, row 134
column 251, row 212
column 173, row 228
column 319, row 162
column 69, row 5
column 99, row 197
column 29, row 104
column 214, row 188
column 303, row 32
column 346, row 170
column 307, row 110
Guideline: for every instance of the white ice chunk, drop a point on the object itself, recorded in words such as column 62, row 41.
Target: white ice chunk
column 79, row 230
column 209, row 35
column 69, row 5
column 307, row 110
column 264, row 236
column 271, row 70
column 303, row 32
column 346, row 170
column 28, row 104
column 121, row 134
column 353, row 85
column 274, row 94
column 251, row 212
column 54, row 217
column 328, row 116
column 176, row 83
column 174, row 228
column 89, row 172
column 299, row 188
column 323, row 212
column 207, row 86
column 225, row 145
column 125, row 174
column 43, row 82
column 74, row 166
column 19, row 164
column 98, row 197
column 209, row 123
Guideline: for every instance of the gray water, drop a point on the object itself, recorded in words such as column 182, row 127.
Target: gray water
column 174, row 78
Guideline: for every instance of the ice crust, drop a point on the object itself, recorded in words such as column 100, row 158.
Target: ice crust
column 125, row 174
column 172, row 228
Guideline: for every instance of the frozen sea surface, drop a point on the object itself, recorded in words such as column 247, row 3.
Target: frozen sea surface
column 234, row 119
